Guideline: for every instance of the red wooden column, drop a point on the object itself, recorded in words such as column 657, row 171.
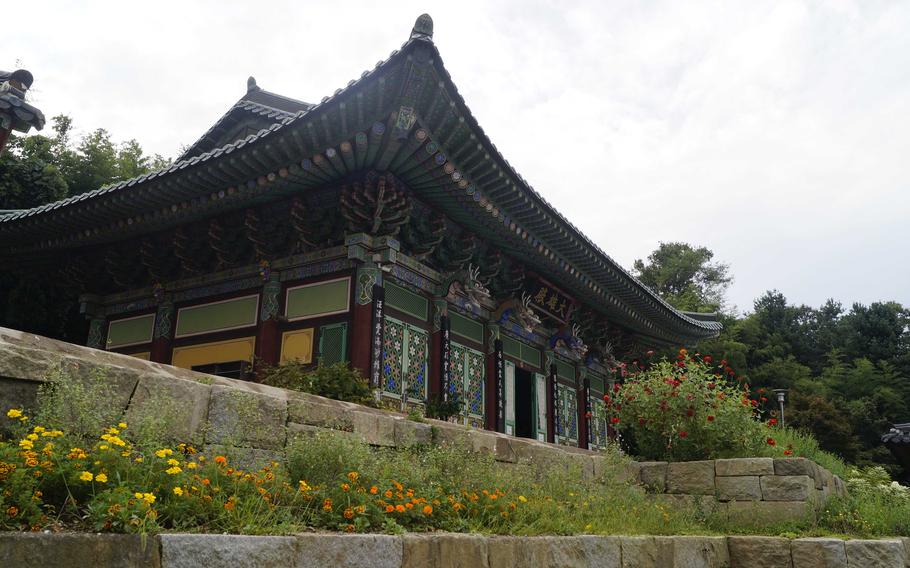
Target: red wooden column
column 268, row 335
column 362, row 326
column 162, row 338
column 437, row 336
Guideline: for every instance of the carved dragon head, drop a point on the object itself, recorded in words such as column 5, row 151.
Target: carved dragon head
column 473, row 287
column 524, row 313
column 575, row 342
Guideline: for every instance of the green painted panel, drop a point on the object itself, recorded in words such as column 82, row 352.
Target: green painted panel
column 230, row 314
column 511, row 347
column 597, row 383
column 530, row 355
column 318, row 299
column 565, row 370
column 406, row 301
column 466, row 328
column 131, row 331
column 333, row 343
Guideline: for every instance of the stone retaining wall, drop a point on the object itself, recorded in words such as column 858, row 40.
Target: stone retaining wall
column 253, row 423
column 445, row 550
column 762, row 489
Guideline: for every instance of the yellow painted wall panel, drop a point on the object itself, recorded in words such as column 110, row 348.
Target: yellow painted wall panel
column 217, row 352
column 297, row 344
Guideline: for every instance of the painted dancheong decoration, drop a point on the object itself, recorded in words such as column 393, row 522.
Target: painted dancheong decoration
column 380, row 227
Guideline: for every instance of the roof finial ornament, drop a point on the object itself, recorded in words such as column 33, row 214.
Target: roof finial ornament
column 423, row 28
column 251, row 84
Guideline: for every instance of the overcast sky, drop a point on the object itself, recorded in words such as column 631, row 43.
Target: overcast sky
column 775, row 134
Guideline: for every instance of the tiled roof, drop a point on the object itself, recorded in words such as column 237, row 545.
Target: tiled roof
column 899, row 434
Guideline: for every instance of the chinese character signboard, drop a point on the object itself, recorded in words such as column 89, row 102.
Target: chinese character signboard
column 588, row 410
column 445, row 356
column 500, row 370
column 552, row 302
column 554, row 392
column 378, row 323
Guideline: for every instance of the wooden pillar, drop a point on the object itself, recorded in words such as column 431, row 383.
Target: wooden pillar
column 438, row 338
column 268, row 336
column 164, row 333
column 362, row 325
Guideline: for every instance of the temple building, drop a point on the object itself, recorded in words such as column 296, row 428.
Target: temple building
column 379, row 226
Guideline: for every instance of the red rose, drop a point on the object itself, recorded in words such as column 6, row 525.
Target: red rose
column 708, row 359
column 772, row 422
column 607, row 398
column 710, row 418
column 614, row 420
column 771, row 442
column 616, row 387
column 683, row 434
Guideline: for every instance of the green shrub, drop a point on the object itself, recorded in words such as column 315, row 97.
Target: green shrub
column 80, row 405
column 443, row 409
column 337, row 381
column 684, row 410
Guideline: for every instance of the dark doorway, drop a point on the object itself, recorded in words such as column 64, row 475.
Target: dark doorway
column 524, row 404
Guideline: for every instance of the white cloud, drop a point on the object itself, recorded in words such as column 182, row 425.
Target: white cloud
column 776, row 134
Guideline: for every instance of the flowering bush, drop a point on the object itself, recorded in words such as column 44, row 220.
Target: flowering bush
column 684, row 410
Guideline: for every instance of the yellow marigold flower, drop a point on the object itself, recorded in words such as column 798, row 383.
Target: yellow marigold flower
column 103, row 447
column 163, row 453
column 192, row 465
column 113, row 431
column 125, row 454
column 86, row 476
column 140, row 459
column 137, row 495
column 345, row 487
column 14, row 413
column 172, row 461
column 121, row 425
column 173, row 470
column 32, row 437
column 148, row 498
column 304, row 486
column 26, row 444
column 353, row 476
column 178, row 491
column 31, row 462
column 38, row 429
column 101, row 478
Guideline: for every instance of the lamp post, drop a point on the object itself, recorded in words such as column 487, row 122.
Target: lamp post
column 781, row 396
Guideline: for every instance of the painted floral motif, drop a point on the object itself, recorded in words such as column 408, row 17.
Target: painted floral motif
column 392, row 341
column 475, row 383
column 416, row 377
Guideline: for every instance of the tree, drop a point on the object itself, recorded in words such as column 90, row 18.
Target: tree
column 685, row 277
column 29, row 175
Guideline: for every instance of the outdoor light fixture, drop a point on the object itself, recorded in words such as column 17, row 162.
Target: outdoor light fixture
column 781, row 396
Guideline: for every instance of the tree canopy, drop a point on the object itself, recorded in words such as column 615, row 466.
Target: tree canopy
column 685, row 277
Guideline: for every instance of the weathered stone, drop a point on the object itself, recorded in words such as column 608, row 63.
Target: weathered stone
column 761, row 513
column 236, row 551
column 249, row 459
column 504, row 451
column 448, row 434
column 26, row 364
column 16, row 393
column 906, row 542
column 321, row 414
column 244, row 418
column 176, row 408
column 544, row 552
column 744, row 466
column 348, row 550
column 786, row 487
column 638, row 552
column 692, row 552
column 444, row 551
column 793, row 466
column 653, row 475
column 818, row 553
column 878, row 553
column 64, row 550
column 759, row 552
column 745, row 488
column 410, row 433
column 374, row 429
column 693, row 478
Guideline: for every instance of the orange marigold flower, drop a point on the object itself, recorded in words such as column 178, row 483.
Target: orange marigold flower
column 374, row 490
column 399, row 508
column 349, row 528
column 388, row 494
column 327, row 505
column 409, row 505
column 348, row 513
column 345, row 487
column 12, row 511
column 229, row 505
column 389, row 509
column 220, row 460
column 428, row 510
